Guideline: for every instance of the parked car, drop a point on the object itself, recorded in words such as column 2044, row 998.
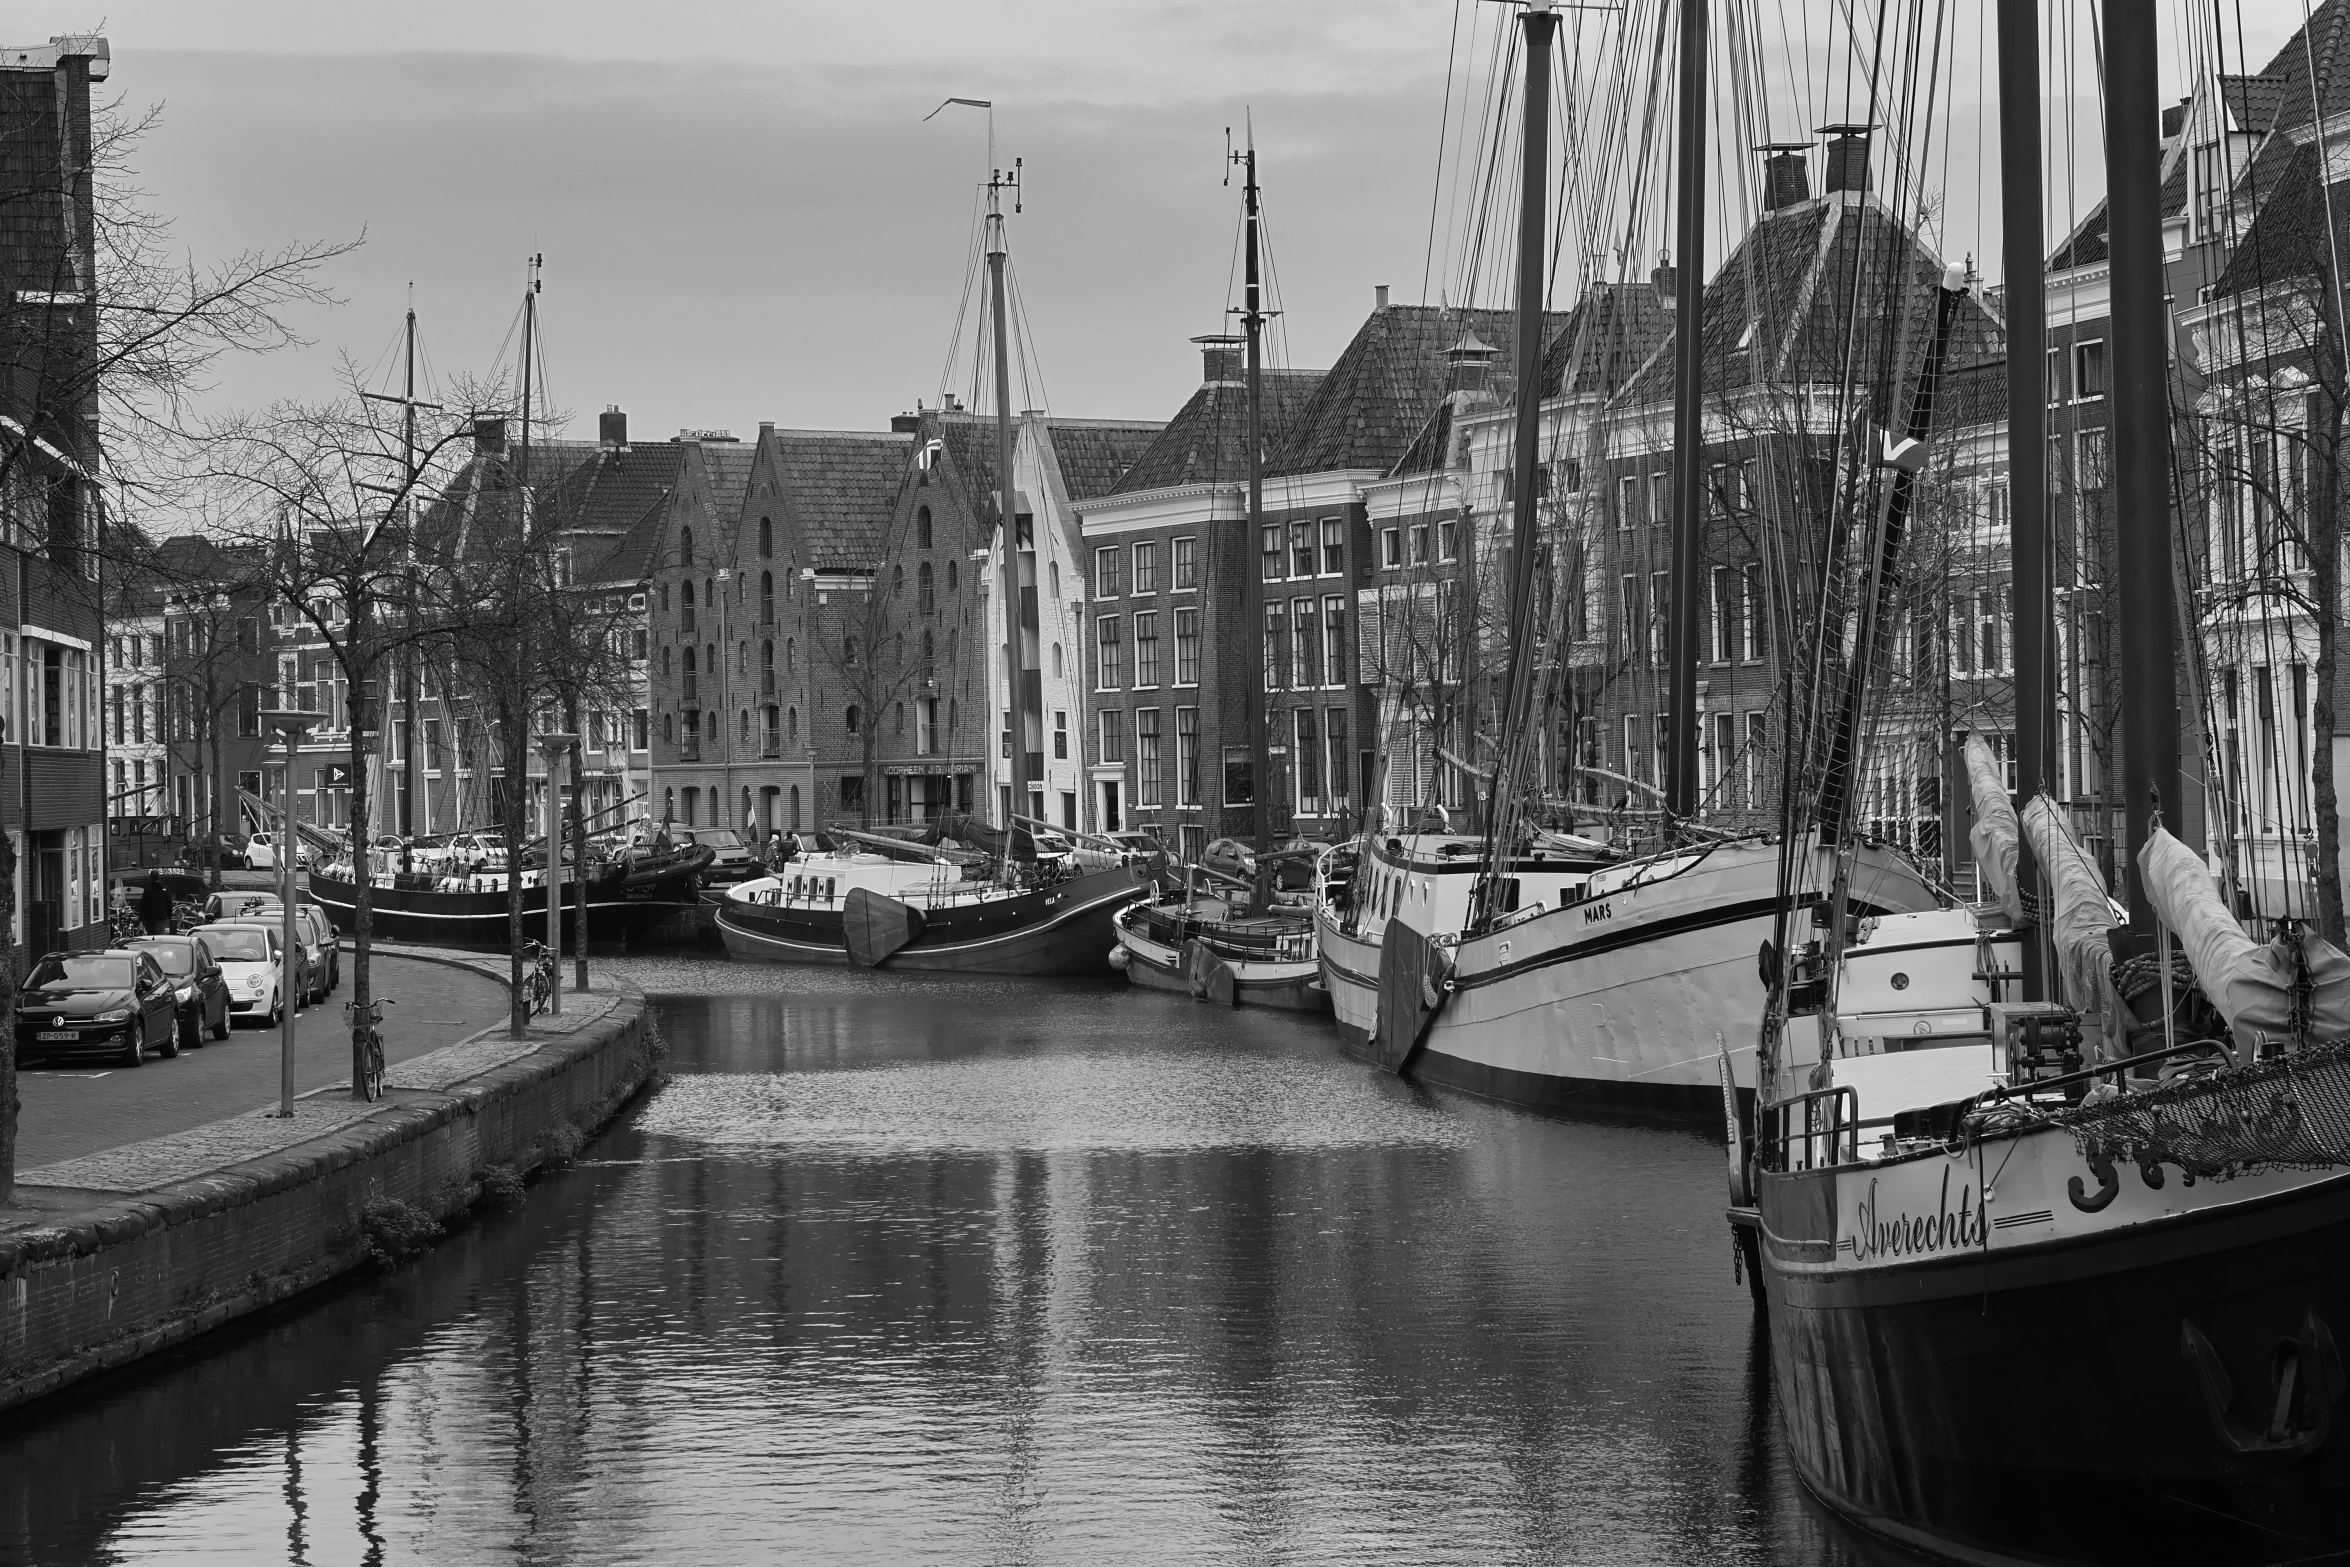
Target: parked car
column 261, row 852
column 249, row 957
column 237, row 902
column 481, row 851
column 734, row 862
column 1135, row 847
column 309, row 960
column 325, row 944
column 200, row 989
column 117, row 1001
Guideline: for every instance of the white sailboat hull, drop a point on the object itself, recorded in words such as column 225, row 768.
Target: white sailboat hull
column 1622, row 1000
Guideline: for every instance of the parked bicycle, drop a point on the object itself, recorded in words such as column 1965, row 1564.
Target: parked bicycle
column 539, row 984
column 371, row 1046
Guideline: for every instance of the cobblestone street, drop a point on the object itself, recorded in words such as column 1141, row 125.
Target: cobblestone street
column 72, row 1109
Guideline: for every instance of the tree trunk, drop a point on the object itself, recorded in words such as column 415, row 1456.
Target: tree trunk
column 576, row 820
column 513, row 731
column 2325, row 586
column 362, row 885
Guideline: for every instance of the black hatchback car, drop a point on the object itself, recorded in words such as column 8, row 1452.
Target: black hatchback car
column 200, row 989
column 117, row 1001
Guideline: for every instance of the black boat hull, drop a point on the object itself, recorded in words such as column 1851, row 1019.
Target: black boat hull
column 2056, row 1403
column 1059, row 931
column 618, row 909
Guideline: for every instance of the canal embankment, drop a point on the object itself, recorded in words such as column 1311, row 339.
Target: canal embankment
column 122, row 1252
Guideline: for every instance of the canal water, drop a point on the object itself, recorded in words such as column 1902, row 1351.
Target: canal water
column 912, row 1271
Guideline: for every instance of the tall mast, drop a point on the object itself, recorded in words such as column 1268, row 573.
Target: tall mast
column 1019, row 570
column 408, row 776
column 530, row 318
column 1540, row 26
column 2141, row 437
column 1261, row 732
column 2027, row 431
column 1688, row 415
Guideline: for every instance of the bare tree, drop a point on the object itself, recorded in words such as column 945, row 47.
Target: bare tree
column 880, row 641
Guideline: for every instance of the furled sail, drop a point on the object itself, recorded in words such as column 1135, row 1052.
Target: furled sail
column 1995, row 835
column 2080, row 912
column 2255, row 987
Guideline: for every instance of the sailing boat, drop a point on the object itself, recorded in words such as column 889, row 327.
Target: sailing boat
column 1236, row 939
column 1539, row 967
column 875, row 901
column 2023, row 1305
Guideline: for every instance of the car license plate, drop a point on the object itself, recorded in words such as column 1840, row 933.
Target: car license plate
column 57, row 1033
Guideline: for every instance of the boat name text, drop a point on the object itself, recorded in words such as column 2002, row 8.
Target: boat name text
column 1879, row 1234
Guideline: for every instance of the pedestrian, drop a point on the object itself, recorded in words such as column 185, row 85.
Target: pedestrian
column 155, row 905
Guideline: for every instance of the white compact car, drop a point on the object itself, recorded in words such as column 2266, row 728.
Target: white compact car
column 249, row 959
column 261, row 852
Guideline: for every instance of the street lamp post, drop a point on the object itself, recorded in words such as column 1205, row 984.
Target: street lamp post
column 554, row 746
column 289, row 727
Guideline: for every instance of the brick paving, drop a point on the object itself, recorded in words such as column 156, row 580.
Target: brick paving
column 75, row 1109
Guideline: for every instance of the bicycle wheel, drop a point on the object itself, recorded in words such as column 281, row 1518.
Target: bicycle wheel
column 372, row 1086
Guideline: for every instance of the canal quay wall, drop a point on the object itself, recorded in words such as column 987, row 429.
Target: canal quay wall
column 143, row 1247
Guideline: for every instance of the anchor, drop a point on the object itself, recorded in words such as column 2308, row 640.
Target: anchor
column 2304, row 1371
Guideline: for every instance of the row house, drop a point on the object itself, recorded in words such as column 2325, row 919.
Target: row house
column 52, row 739
column 2254, row 196
column 1177, row 674
column 190, row 667
column 1059, row 464
column 1776, row 474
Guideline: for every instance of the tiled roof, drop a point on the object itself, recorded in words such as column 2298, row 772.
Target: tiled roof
column 2322, row 43
column 635, row 553
column 2253, row 101
column 1612, row 331
column 840, row 486
column 608, row 491
column 1207, row 440
column 1378, row 397
column 1094, row 454
column 727, row 467
column 2290, row 237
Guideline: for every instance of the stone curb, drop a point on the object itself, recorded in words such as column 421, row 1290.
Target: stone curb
column 78, row 1240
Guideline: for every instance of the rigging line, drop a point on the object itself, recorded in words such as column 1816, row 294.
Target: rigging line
column 972, row 261
column 1443, row 128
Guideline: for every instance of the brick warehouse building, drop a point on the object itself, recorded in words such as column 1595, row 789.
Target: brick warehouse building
column 52, row 742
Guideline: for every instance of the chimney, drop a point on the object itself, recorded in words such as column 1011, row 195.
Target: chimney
column 1379, row 297
column 1848, row 159
column 904, row 424
column 1786, row 177
column 1222, row 358
column 489, row 437
column 612, row 429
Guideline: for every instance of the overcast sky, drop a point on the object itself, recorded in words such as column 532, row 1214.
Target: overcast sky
column 743, row 214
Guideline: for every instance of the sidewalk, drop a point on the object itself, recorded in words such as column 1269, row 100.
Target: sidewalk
column 90, row 1133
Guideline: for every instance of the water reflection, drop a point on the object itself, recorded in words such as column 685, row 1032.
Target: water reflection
column 924, row 1272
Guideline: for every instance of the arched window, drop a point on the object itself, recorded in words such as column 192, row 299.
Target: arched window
column 922, row 529
column 767, row 667
column 1056, row 660
column 693, row 804
column 664, row 598
column 952, row 578
column 766, row 539
column 668, row 728
column 901, row 718
column 665, row 662
column 791, row 728
column 848, row 650
column 952, row 714
column 899, row 653
column 852, row 717
column 742, row 658
column 669, row 805
column 897, row 581
column 746, row 726
column 710, row 659
column 767, row 598
column 791, row 575
column 685, row 546
column 926, row 599
column 929, row 648
column 710, row 725
column 795, row 807
column 1052, row 570
column 685, row 605
column 689, row 661
column 791, row 656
